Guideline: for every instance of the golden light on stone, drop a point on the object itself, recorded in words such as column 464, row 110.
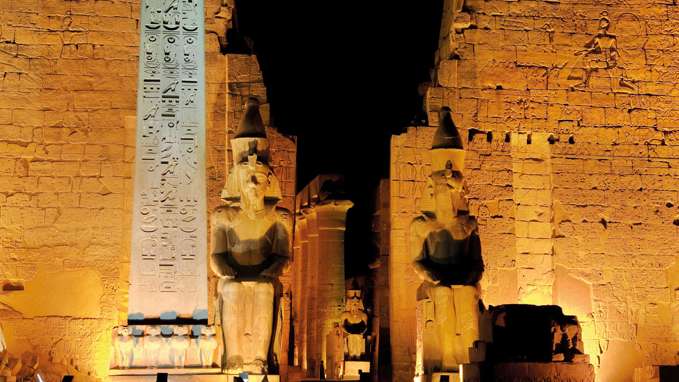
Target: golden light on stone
column 565, row 171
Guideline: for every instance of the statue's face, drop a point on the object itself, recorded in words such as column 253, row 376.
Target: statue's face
column 448, row 191
column 354, row 305
column 253, row 182
column 447, row 180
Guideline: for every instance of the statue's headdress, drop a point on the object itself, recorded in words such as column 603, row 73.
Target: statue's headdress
column 354, row 297
column 250, row 147
column 447, row 153
column 353, row 293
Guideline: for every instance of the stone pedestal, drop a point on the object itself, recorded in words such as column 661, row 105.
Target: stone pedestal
column 183, row 375
column 470, row 372
column 255, row 378
column 445, row 377
column 352, row 368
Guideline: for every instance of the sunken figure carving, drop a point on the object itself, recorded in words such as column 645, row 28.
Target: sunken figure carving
column 250, row 247
column 447, row 251
column 601, row 53
column 354, row 325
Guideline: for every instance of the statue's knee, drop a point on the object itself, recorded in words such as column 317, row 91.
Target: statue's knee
column 264, row 287
column 441, row 291
column 231, row 289
column 264, row 291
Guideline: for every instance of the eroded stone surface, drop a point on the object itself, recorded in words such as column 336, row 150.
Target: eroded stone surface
column 67, row 294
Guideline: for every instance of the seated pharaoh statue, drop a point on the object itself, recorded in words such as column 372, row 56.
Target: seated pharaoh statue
column 445, row 244
column 354, row 325
column 250, row 248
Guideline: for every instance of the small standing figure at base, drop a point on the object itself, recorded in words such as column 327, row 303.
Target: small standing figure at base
column 179, row 343
column 124, row 345
column 207, row 345
column 153, row 341
column 250, row 248
column 447, row 251
column 354, row 325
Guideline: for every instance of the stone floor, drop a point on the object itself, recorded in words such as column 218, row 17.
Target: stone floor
column 183, row 375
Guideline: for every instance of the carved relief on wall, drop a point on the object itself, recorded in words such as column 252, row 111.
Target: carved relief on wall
column 601, row 62
column 168, row 271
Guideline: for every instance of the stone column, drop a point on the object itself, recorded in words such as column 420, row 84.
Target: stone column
column 300, row 297
column 312, row 335
column 330, row 303
column 321, row 213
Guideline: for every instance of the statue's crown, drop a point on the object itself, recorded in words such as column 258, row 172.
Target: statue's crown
column 250, row 147
column 447, row 151
column 353, row 293
column 250, row 138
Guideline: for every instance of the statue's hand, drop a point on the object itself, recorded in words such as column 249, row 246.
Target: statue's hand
column 431, row 278
column 427, row 275
column 269, row 274
column 275, row 269
column 227, row 271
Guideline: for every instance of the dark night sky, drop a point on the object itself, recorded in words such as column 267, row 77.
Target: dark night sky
column 343, row 77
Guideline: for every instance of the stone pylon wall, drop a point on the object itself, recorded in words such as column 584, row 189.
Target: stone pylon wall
column 591, row 214
column 68, row 75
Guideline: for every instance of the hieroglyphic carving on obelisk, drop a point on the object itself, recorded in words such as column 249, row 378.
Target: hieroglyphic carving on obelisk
column 169, row 235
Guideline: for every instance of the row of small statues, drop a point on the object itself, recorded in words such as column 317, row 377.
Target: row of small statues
column 173, row 346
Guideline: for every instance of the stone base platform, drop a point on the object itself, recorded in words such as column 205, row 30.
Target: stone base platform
column 543, row 372
column 183, row 375
column 352, row 368
column 445, row 377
